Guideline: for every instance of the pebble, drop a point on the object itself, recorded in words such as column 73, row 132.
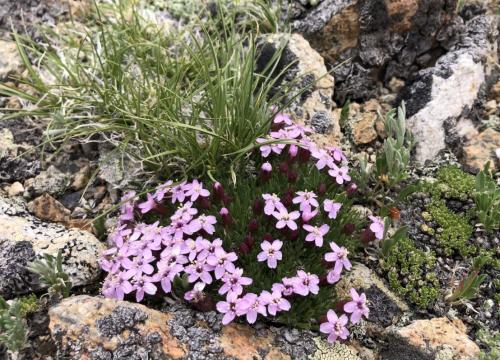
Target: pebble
column 16, row 189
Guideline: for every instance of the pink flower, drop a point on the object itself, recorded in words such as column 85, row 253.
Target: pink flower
column 195, row 190
column 339, row 174
column 228, row 307
column 332, row 208
column 271, row 253
column 199, row 270
column 337, row 154
column 377, row 227
column 148, row 205
column 162, row 190
column 324, row 159
column 273, row 203
column 275, row 302
column 357, row 307
column 335, row 327
column 138, row 265
column 207, row 248
column 281, row 118
column 307, row 215
column 222, row 261
column 178, row 193
column 265, row 150
column 266, row 167
column 306, row 283
column 143, row 285
column 203, row 222
column 339, row 256
column 306, row 199
column 196, row 293
column 251, row 305
column 234, row 282
column 115, row 287
column 333, row 276
column 286, row 288
column 166, row 274
column 316, row 233
column 286, row 219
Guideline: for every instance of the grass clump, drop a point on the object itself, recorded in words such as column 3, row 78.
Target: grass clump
column 13, row 329
column 411, row 273
column 183, row 103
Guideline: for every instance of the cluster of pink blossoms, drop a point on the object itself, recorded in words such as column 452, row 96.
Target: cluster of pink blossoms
column 147, row 257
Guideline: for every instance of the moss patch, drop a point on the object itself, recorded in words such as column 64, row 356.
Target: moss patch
column 410, row 273
column 453, row 230
column 454, row 183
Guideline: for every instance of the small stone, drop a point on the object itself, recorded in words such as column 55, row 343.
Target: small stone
column 363, row 129
column 51, row 181
column 482, row 149
column 10, row 61
column 396, row 84
column 16, row 189
column 491, row 107
column 47, row 208
column 81, row 178
column 24, row 238
column 424, row 338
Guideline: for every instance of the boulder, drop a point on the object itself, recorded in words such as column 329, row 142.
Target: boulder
column 386, row 308
column 24, row 238
column 85, row 327
column 376, row 36
column 485, row 147
column 12, row 167
column 437, row 96
column 437, row 338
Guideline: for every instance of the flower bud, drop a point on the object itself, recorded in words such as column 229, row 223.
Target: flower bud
column 293, row 151
column 253, row 225
column 244, row 249
column 218, row 190
column 249, row 240
column 292, row 176
column 304, row 155
column 395, row 213
column 367, row 236
column 204, row 203
column 293, row 235
column 352, row 188
column 258, row 206
column 284, row 167
column 348, row 229
column 265, row 171
column 227, row 219
column 226, row 199
column 321, row 189
column 268, row 237
column 287, row 198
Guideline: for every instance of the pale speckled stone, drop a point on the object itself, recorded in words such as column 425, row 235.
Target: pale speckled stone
column 24, row 238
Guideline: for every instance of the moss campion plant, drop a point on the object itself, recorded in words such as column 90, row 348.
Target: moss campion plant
column 271, row 245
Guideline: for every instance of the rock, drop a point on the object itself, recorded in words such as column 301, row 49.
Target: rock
column 24, row 238
column 495, row 91
column 385, row 307
column 12, row 167
column 363, row 128
column 118, row 170
column 16, row 189
column 465, row 129
column 378, row 38
column 314, row 107
column 81, row 178
column 51, row 181
column 430, row 339
column 47, row 208
column 482, row 149
column 10, row 61
column 491, row 107
column 432, row 98
column 85, row 327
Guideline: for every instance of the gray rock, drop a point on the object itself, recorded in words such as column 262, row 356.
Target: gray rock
column 10, row 61
column 438, row 95
column 12, row 167
column 51, row 181
column 24, row 238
